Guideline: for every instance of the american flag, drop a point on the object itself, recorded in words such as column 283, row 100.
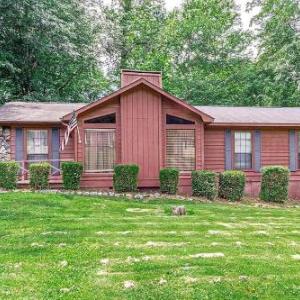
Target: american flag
column 71, row 126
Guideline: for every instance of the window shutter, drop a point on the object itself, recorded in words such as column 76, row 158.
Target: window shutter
column 19, row 144
column 228, row 150
column 257, row 150
column 292, row 146
column 55, row 150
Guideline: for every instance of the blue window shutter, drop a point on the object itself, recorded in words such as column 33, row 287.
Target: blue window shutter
column 19, row 155
column 55, row 144
column 257, row 150
column 228, row 150
column 293, row 150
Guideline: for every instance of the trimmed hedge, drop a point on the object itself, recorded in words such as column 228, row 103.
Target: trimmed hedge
column 232, row 185
column 8, row 174
column 71, row 174
column 39, row 175
column 125, row 178
column 274, row 184
column 204, row 184
column 168, row 179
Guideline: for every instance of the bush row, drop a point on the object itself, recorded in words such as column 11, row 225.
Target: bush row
column 229, row 185
column 39, row 175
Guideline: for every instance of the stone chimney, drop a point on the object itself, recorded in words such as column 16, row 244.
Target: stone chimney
column 128, row 76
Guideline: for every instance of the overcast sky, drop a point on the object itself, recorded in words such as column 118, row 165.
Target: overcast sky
column 246, row 17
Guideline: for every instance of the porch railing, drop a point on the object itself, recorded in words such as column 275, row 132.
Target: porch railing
column 54, row 163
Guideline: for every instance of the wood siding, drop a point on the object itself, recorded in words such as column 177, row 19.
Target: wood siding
column 214, row 149
column 129, row 77
column 140, row 133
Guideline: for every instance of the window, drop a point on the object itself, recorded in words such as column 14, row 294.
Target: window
column 37, row 144
column 242, row 150
column 99, row 149
column 108, row 119
column 176, row 120
column 181, row 149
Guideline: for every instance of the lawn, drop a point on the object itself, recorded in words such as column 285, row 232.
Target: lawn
column 75, row 247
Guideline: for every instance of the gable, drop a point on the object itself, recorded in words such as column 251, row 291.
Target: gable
column 136, row 84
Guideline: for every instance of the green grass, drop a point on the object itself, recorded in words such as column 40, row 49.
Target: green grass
column 105, row 242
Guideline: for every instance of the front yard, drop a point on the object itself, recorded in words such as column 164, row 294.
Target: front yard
column 75, row 247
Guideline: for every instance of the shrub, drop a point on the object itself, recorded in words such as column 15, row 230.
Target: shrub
column 274, row 184
column 39, row 175
column 71, row 173
column 204, row 184
column 8, row 174
column 232, row 185
column 125, row 178
column 168, row 179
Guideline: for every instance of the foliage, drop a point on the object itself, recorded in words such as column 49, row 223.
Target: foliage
column 168, row 179
column 8, row 174
column 204, row 184
column 125, row 178
column 133, row 36
column 274, row 184
column 47, row 51
column 278, row 62
column 60, row 50
column 39, row 175
column 232, row 185
column 71, row 174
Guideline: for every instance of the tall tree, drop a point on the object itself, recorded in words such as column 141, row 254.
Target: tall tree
column 279, row 51
column 207, row 49
column 47, row 51
column 132, row 35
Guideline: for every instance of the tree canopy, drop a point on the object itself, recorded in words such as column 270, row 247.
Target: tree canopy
column 73, row 50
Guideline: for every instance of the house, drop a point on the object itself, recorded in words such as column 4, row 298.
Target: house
column 143, row 124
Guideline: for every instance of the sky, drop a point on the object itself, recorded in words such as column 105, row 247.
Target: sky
column 245, row 16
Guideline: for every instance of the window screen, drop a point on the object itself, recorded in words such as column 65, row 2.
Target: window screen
column 37, row 144
column 181, row 149
column 242, row 150
column 99, row 149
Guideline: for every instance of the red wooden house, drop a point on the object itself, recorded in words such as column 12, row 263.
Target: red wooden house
column 143, row 124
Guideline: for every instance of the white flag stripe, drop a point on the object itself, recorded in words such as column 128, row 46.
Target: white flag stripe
column 71, row 126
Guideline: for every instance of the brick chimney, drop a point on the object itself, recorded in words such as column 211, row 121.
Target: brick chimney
column 128, row 76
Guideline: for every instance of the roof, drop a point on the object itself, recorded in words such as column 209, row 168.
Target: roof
column 41, row 112
column 253, row 115
column 35, row 112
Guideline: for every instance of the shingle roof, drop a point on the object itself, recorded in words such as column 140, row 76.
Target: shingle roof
column 253, row 115
column 39, row 112
column 36, row 112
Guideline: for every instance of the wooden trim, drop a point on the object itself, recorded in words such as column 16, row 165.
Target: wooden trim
column 255, row 125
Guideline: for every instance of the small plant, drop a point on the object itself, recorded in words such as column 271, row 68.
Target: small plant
column 204, row 184
column 8, row 174
column 125, row 178
column 39, row 175
column 71, row 174
column 274, row 184
column 168, row 179
column 232, row 185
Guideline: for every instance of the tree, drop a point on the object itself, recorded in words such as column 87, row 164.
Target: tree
column 208, row 51
column 47, row 51
column 278, row 62
column 132, row 35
